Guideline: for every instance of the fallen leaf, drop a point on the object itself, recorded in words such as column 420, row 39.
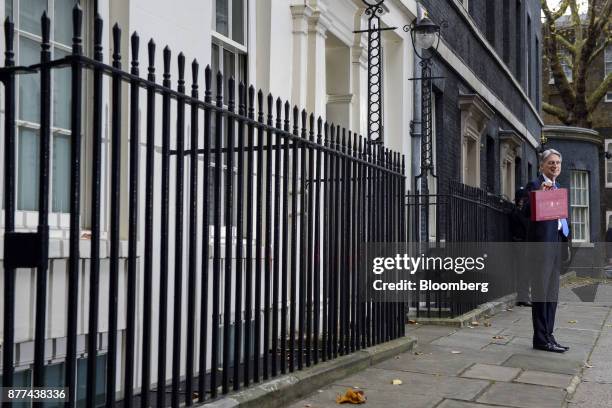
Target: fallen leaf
column 572, row 321
column 396, row 382
column 509, row 309
column 499, row 337
column 608, row 325
column 397, row 357
column 411, row 321
column 587, row 365
column 487, row 324
column 418, row 353
column 307, row 405
column 351, row 397
column 475, row 323
column 456, row 352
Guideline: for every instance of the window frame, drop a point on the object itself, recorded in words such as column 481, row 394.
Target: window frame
column 230, row 24
column 583, row 207
column 26, row 218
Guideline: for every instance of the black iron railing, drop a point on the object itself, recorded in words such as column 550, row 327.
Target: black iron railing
column 270, row 271
column 461, row 214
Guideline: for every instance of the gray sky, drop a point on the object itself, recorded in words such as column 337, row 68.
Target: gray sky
column 554, row 4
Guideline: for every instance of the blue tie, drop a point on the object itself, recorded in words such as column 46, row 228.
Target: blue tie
column 564, row 226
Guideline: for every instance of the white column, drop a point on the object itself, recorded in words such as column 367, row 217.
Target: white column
column 316, row 98
column 301, row 15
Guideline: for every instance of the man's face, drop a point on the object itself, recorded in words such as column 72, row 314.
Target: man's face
column 551, row 167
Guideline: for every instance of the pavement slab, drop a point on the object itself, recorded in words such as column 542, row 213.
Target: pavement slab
column 523, row 396
column 449, row 403
column 491, row 372
column 551, row 362
column 544, row 378
column 591, row 395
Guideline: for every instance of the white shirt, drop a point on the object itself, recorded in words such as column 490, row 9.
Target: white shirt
column 546, row 179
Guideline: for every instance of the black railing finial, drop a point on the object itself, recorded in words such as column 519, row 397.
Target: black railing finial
column 45, row 24
column 219, row 88
column 319, row 129
column 260, row 114
column 287, row 114
column 311, row 127
column 326, row 134
column 151, row 52
column 195, row 71
column 332, row 136
column 9, row 36
column 304, row 119
column 98, row 25
column 116, row 46
column 279, row 112
column 251, row 102
column 296, row 114
column 181, row 73
column 231, row 93
column 135, row 40
column 77, row 29
column 270, row 109
column 241, row 98
column 207, row 82
column 167, row 57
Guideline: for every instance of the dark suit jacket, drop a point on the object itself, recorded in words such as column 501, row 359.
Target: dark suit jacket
column 540, row 231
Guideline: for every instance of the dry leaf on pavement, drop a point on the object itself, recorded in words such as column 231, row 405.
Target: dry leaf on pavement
column 572, row 321
column 456, row 352
column 396, row 382
column 475, row 323
column 351, row 397
column 499, row 337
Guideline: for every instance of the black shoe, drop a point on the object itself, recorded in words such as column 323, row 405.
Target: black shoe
column 549, row 347
column 526, row 304
column 554, row 341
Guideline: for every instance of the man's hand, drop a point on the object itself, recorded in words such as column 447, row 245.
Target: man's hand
column 547, row 185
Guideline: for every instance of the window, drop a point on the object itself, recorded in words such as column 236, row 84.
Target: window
column 608, row 68
column 229, row 55
column 529, row 79
column 26, row 15
column 608, row 148
column 506, row 33
column 608, row 219
column 579, row 205
column 100, row 380
column 21, row 378
column 517, row 39
column 537, row 73
column 490, row 22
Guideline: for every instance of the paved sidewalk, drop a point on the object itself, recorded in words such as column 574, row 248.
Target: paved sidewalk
column 493, row 365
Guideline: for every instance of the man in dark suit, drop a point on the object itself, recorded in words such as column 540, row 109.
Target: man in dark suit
column 545, row 284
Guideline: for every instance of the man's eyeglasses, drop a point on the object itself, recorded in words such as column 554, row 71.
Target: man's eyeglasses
column 550, row 163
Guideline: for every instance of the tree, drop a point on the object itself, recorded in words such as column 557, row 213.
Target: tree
column 576, row 41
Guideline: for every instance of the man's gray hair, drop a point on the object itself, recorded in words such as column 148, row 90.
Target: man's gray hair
column 546, row 153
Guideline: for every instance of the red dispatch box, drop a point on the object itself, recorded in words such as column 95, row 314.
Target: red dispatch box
column 548, row 205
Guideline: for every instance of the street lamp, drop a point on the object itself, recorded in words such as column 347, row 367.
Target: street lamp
column 425, row 35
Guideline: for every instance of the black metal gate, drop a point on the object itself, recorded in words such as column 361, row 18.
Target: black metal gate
column 250, row 214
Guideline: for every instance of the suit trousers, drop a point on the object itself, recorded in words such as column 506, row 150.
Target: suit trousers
column 545, row 293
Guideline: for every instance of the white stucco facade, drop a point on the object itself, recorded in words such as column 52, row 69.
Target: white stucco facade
column 303, row 51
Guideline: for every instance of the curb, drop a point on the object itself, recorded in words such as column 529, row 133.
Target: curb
column 486, row 309
column 287, row 388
